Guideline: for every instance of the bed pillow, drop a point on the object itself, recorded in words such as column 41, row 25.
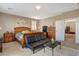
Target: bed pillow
column 19, row 35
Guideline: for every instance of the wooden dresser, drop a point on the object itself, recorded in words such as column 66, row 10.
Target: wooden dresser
column 51, row 32
column 8, row 37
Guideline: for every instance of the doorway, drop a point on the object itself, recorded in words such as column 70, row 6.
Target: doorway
column 70, row 31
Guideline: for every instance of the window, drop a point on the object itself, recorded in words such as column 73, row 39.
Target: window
column 34, row 27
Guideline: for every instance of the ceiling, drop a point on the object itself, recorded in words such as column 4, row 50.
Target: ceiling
column 29, row 10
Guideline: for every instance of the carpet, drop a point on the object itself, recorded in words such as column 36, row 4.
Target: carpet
column 14, row 49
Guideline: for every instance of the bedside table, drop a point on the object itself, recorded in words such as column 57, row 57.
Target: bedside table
column 8, row 37
column 0, row 45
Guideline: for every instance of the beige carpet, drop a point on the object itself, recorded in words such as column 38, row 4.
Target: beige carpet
column 70, row 38
column 14, row 49
column 70, row 41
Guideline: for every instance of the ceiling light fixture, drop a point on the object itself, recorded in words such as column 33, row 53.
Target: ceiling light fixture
column 38, row 7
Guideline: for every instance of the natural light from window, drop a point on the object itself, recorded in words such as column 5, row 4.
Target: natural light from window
column 33, row 25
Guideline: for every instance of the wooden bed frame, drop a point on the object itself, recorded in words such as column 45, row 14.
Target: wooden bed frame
column 20, row 29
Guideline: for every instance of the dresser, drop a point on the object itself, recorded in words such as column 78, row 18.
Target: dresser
column 51, row 32
column 8, row 37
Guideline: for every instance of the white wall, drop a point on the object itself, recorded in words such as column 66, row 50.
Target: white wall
column 77, row 31
column 60, row 30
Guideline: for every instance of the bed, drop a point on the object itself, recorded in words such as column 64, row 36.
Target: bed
column 19, row 34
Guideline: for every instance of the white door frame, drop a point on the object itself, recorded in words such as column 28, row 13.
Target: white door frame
column 76, row 28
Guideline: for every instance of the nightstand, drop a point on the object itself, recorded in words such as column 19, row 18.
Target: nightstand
column 8, row 37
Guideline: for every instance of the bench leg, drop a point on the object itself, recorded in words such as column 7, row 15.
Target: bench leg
column 52, row 52
column 60, row 45
column 44, row 49
column 33, row 51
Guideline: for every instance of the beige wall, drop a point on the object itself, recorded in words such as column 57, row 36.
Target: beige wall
column 67, row 15
column 46, row 22
column 8, row 22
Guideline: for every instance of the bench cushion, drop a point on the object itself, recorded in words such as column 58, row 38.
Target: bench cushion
column 36, row 40
column 31, row 39
column 38, row 43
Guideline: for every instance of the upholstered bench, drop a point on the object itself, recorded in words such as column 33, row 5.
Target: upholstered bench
column 36, row 41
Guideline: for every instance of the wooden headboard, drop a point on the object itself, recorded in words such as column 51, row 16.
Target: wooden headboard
column 20, row 29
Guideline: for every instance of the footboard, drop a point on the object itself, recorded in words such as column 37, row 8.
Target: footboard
column 22, row 30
